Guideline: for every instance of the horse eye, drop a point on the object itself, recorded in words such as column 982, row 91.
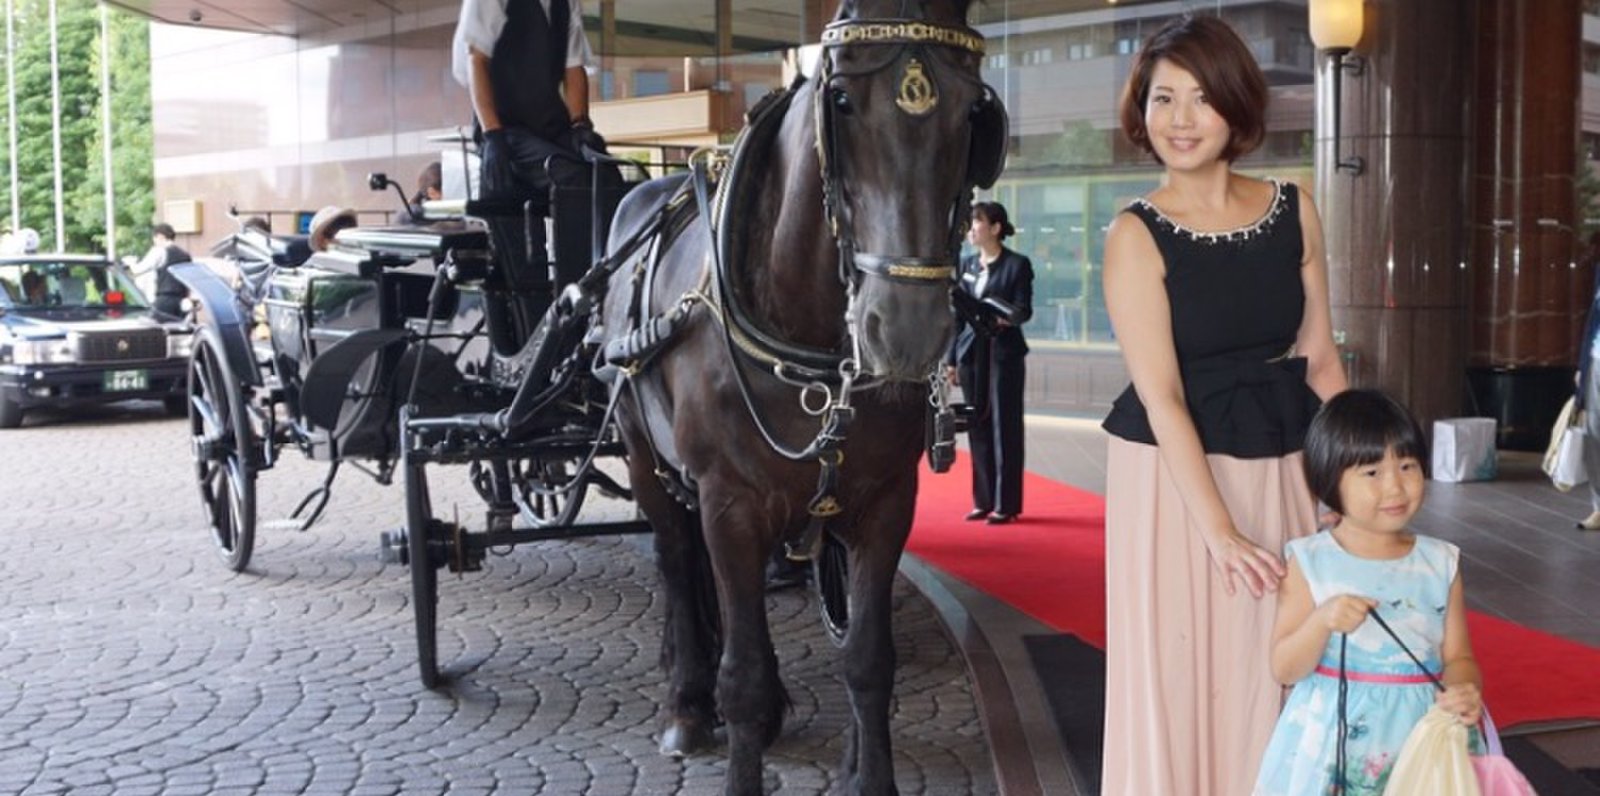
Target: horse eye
column 841, row 101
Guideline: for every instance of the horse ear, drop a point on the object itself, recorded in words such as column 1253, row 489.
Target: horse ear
column 991, row 137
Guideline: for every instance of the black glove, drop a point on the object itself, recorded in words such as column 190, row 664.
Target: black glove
column 495, row 172
column 584, row 136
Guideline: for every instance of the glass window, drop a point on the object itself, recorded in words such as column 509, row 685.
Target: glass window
column 650, row 82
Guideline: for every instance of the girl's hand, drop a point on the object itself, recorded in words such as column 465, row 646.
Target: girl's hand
column 1238, row 557
column 1345, row 613
column 1462, row 700
column 953, row 374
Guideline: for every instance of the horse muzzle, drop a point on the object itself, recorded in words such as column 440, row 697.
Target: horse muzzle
column 903, row 317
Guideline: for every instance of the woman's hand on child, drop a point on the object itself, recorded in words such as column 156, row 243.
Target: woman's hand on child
column 1346, row 612
column 1238, row 557
column 1462, row 700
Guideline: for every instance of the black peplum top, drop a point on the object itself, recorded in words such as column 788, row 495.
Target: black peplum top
column 1237, row 302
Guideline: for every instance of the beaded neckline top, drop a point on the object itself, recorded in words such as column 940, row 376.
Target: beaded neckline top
column 1236, row 234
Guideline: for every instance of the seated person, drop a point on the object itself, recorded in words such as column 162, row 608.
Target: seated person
column 34, row 289
column 325, row 225
column 430, row 184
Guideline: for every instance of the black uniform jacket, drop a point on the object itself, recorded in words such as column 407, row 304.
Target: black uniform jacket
column 1011, row 281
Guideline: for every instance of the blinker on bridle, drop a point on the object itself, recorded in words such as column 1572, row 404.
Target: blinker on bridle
column 918, row 95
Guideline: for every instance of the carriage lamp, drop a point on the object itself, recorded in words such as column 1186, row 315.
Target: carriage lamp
column 1336, row 29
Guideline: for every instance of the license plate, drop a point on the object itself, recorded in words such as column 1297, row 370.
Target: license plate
column 127, row 380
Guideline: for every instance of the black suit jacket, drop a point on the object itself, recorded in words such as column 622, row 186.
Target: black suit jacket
column 1011, row 281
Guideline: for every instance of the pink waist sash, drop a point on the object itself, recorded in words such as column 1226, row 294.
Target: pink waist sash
column 1368, row 677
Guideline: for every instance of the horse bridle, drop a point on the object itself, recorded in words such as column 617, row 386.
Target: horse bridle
column 918, row 95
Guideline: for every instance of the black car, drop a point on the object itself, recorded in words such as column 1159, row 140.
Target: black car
column 75, row 330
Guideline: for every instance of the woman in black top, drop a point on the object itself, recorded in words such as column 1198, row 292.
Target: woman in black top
column 988, row 364
column 1217, row 290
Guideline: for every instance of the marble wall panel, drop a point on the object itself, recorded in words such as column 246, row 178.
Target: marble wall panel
column 1523, row 247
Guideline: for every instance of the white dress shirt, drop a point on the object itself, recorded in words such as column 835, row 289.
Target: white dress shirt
column 480, row 25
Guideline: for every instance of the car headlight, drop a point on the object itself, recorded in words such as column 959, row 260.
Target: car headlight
column 42, row 352
column 179, row 345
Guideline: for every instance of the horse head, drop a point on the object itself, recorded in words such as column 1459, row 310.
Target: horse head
column 905, row 129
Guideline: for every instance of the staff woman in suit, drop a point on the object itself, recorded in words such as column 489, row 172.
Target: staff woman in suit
column 989, row 366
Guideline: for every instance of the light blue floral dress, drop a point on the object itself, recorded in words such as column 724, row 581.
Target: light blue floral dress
column 1413, row 593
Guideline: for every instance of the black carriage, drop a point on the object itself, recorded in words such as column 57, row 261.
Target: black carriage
column 451, row 342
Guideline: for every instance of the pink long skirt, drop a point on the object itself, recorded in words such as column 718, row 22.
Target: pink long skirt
column 1190, row 699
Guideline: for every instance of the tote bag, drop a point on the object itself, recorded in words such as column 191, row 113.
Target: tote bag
column 1434, row 760
column 1563, row 459
column 1496, row 774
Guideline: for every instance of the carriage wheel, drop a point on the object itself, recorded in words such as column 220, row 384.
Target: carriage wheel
column 832, row 570
column 223, row 445
column 424, row 572
column 546, row 493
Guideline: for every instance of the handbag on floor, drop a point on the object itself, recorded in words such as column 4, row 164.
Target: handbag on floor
column 1563, row 459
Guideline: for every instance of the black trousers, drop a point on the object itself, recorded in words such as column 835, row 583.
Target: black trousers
column 530, row 156
column 993, row 385
column 537, row 164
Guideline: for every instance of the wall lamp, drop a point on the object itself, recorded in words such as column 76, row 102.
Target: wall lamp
column 1336, row 29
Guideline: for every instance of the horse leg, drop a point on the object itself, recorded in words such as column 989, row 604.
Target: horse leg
column 748, row 691
column 688, row 650
column 869, row 651
column 688, row 641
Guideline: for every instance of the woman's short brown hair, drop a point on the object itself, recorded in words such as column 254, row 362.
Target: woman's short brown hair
column 1209, row 49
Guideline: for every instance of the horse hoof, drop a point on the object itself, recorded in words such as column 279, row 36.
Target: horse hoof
column 683, row 739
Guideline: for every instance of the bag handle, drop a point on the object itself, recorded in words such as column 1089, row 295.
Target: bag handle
column 1437, row 683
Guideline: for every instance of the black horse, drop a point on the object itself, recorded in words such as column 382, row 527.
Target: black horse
column 777, row 362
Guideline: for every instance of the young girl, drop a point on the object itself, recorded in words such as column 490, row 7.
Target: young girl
column 1364, row 459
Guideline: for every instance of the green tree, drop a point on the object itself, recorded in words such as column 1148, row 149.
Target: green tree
column 132, row 145
column 78, row 30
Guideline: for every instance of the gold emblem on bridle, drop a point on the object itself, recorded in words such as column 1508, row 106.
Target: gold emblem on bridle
column 917, row 95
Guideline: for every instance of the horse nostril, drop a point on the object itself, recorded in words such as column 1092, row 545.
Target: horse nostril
column 872, row 327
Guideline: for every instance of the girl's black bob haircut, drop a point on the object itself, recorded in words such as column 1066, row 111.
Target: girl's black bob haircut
column 1353, row 428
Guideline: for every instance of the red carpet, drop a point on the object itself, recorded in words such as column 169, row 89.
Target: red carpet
column 1050, row 564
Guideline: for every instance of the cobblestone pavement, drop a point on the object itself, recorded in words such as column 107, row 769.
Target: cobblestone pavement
column 133, row 662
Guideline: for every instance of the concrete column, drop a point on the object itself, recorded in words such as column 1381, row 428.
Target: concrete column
column 1396, row 233
column 1528, row 295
